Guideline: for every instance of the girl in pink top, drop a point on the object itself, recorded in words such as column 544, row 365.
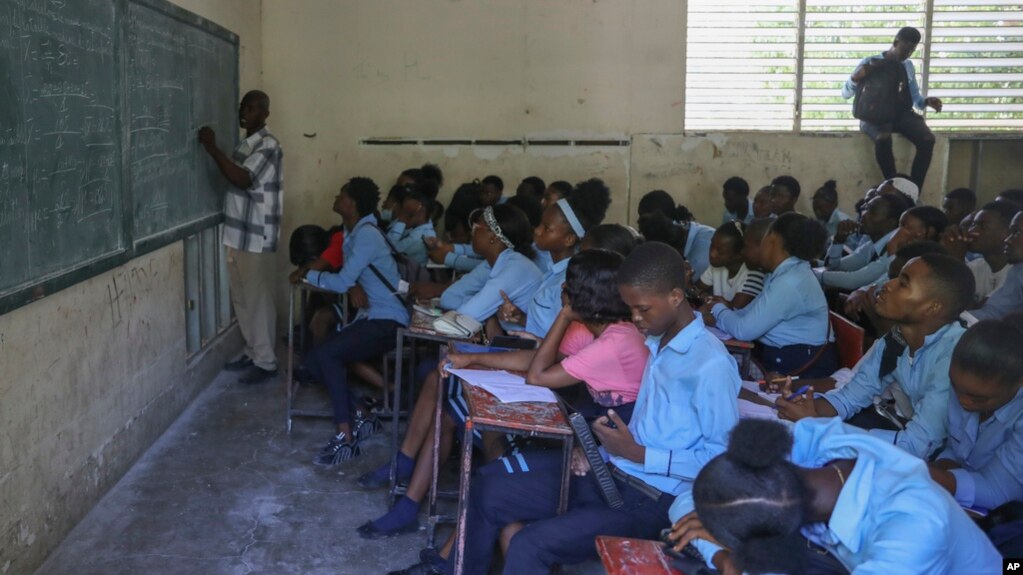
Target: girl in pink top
column 591, row 341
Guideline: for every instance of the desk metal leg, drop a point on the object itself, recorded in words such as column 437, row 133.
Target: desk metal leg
column 566, row 473
column 395, row 410
column 291, row 354
column 463, row 497
column 432, row 519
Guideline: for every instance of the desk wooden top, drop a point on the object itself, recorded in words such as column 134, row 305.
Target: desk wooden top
column 633, row 557
column 524, row 416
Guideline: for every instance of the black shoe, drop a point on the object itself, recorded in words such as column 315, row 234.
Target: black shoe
column 368, row 531
column 238, row 364
column 420, row 569
column 338, row 450
column 257, row 375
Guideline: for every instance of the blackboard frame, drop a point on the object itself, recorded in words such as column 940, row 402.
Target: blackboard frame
column 40, row 287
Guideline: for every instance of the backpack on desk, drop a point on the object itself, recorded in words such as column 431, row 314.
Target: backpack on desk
column 884, row 94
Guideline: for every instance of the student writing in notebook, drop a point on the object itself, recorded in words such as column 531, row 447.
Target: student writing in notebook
column 909, row 364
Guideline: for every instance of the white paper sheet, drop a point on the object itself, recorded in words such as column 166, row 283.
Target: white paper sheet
column 507, row 387
column 718, row 333
column 748, row 409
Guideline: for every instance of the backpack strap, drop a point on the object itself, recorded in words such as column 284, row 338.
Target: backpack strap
column 376, row 271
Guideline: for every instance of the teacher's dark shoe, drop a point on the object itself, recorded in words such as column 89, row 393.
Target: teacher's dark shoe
column 239, row 364
column 256, row 375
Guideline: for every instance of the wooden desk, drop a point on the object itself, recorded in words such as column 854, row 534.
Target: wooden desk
column 742, row 351
column 304, row 290
column 622, row 556
column 420, row 329
column 487, row 413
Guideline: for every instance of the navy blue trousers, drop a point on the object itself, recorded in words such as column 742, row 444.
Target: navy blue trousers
column 358, row 341
column 502, row 494
column 790, row 358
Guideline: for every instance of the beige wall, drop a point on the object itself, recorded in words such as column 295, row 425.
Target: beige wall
column 986, row 166
column 92, row 375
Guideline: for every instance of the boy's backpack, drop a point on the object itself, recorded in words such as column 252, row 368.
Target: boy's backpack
column 409, row 271
column 884, row 94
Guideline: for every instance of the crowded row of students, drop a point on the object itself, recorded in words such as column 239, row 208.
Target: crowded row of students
column 938, row 399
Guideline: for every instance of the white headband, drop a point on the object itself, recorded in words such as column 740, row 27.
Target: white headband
column 573, row 221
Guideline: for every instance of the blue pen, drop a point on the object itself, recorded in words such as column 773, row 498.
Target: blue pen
column 798, row 393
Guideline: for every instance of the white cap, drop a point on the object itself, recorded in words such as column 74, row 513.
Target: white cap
column 907, row 187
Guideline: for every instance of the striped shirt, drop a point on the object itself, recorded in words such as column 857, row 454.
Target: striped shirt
column 252, row 217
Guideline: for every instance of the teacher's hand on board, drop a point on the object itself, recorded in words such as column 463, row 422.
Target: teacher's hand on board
column 207, row 137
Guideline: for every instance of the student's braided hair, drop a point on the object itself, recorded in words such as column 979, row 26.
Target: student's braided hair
column 753, row 501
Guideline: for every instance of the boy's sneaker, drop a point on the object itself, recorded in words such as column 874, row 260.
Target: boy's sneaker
column 337, row 450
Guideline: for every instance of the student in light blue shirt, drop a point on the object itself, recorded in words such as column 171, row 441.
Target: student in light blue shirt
column 738, row 204
column 841, row 502
column 562, row 228
column 411, row 225
column 662, row 221
column 790, row 316
column 982, row 463
column 870, row 261
column 1007, row 299
column 907, row 122
column 369, row 264
column 910, row 364
column 686, row 406
column 825, row 207
column 502, row 236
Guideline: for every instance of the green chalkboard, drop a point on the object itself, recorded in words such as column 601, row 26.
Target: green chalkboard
column 61, row 189
column 100, row 101
column 181, row 76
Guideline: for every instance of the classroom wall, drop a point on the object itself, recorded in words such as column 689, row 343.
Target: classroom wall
column 92, row 375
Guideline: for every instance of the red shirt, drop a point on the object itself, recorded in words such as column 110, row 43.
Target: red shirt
column 334, row 254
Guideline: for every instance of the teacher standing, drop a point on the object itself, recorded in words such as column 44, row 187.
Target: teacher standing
column 252, row 223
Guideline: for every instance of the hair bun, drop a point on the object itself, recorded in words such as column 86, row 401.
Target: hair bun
column 759, row 443
column 773, row 554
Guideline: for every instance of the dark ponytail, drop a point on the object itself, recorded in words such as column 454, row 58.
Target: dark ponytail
column 801, row 236
column 515, row 226
column 753, row 501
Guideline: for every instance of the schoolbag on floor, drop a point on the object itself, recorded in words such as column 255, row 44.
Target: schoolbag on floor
column 884, row 94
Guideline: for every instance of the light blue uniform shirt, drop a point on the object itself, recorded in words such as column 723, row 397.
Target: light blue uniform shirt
column 697, row 250
column 543, row 259
column 849, row 88
column 730, row 216
column 791, row 310
column 924, row 380
column 410, row 242
column 478, row 293
column 890, row 518
column 867, row 263
column 365, row 246
column 546, row 302
column 687, row 405
column 837, row 217
column 463, row 258
column 990, row 454
column 1004, row 300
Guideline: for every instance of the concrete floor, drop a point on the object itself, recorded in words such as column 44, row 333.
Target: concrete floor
column 226, row 490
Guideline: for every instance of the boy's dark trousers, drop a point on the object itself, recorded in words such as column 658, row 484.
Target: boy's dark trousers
column 503, row 494
column 914, row 128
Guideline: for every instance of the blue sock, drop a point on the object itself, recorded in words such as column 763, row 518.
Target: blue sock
column 405, row 466
column 405, row 511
